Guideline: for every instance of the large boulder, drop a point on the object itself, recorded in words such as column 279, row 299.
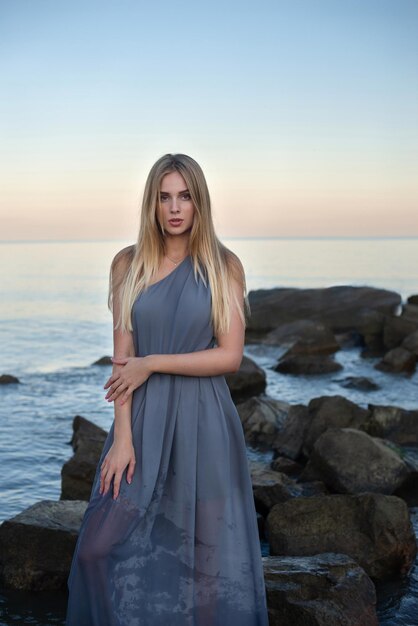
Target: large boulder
column 290, row 439
column 350, row 461
column 393, row 423
column 308, row 365
column 411, row 342
column 249, row 380
column 396, row 329
column 303, row 337
column 262, row 418
column 341, row 308
column 37, row 545
column 77, row 474
column 398, row 361
column 321, row 590
column 374, row 529
column 331, row 411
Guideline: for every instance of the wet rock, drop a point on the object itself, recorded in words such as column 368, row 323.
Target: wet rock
column 290, row 439
column 374, row 529
column 303, row 337
column 413, row 299
column 37, row 545
column 331, row 412
column 262, row 417
column 410, row 343
column 322, row 590
column 104, row 360
column 286, row 466
column 396, row 329
column 340, row 308
column 350, row 461
column 250, row 380
column 359, row 382
column 370, row 326
column 270, row 487
column 410, row 312
column 78, row 472
column 8, row 379
column 393, row 423
column 398, row 360
column 311, row 365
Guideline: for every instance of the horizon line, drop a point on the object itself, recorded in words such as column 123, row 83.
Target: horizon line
column 243, row 238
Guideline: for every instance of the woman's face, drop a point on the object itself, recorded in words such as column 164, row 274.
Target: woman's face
column 176, row 204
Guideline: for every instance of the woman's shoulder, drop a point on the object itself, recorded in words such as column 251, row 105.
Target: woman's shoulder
column 232, row 260
column 234, row 265
column 124, row 257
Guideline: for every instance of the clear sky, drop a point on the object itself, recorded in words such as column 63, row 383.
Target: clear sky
column 302, row 113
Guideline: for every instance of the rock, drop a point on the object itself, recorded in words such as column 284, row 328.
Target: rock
column 413, row 299
column 393, row 423
column 78, row 473
column 303, row 337
column 286, row 466
column 104, row 360
column 370, row 326
column 250, row 380
column 322, row 590
column 374, row 529
column 350, row 461
column 261, row 418
column 311, row 365
column 410, row 312
column 37, row 545
column 410, row 343
column 397, row 360
column 331, row 412
column 8, row 379
column 359, row 382
column 270, row 487
column 340, row 308
column 396, row 329
column 290, row 439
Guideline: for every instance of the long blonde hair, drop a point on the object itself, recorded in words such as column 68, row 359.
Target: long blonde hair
column 140, row 262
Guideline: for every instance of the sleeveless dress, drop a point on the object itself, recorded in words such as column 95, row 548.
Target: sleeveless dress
column 179, row 546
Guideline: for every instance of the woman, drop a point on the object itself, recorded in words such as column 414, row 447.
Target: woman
column 169, row 537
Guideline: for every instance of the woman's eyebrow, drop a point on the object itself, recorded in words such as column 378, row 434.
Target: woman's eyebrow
column 180, row 192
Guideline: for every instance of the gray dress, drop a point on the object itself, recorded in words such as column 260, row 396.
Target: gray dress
column 179, row 546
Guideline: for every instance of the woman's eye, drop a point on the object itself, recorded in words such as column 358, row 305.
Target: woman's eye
column 184, row 196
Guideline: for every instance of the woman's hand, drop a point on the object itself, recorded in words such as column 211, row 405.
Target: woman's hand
column 120, row 455
column 135, row 372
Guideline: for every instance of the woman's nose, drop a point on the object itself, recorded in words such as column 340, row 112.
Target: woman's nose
column 174, row 208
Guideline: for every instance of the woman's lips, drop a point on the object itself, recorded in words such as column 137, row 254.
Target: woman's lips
column 175, row 222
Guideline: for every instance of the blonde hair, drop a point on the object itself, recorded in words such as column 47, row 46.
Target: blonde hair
column 133, row 268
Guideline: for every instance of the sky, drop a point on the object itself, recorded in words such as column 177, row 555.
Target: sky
column 303, row 114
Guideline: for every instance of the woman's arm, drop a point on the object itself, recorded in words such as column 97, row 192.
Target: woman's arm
column 225, row 358
column 121, row 454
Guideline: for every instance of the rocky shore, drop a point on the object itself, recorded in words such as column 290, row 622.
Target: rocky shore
column 333, row 504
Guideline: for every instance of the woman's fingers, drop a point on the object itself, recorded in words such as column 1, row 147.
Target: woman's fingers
column 102, row 479
column 114, row 393
column 114, row 387
column 116, row 484
column 126, row 395
column 130, row 470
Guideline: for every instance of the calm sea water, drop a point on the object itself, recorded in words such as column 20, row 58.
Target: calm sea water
column 54, row 323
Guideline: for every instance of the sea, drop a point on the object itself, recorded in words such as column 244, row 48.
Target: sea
column 55, row 323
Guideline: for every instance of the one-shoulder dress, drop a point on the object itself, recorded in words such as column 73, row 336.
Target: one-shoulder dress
column 180, row 545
